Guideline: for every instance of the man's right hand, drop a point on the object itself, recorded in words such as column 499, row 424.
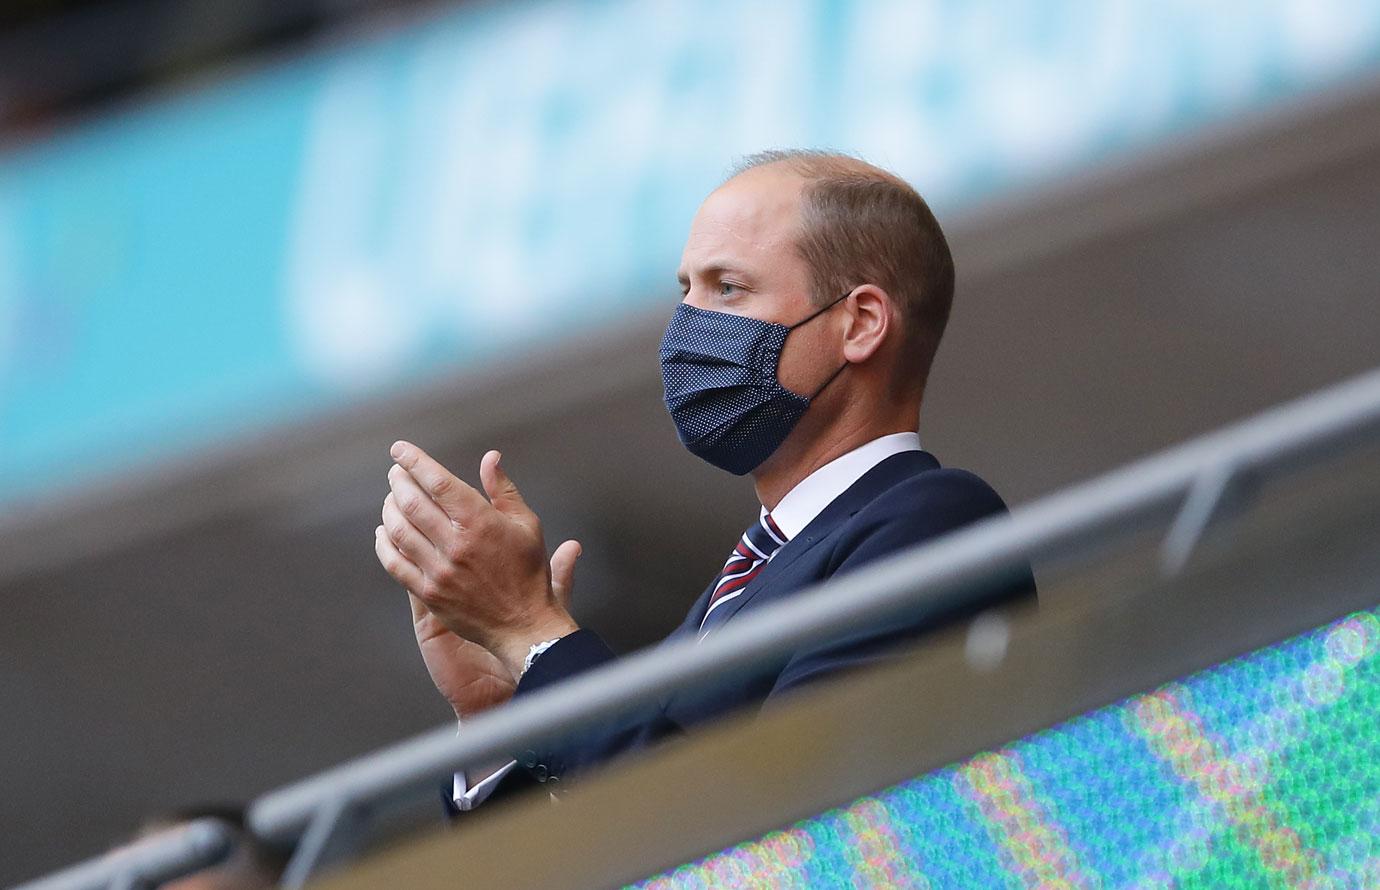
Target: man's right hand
column 468, row 676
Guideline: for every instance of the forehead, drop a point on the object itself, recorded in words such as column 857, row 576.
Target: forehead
column 753, row 217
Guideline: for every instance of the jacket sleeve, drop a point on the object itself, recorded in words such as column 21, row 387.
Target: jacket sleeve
column 922, row 510
column 573, row 655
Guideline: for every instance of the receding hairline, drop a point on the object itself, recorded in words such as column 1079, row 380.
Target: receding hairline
column 814, row 164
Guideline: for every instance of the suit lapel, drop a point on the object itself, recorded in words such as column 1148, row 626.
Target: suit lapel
column 869, row 487
column 691, row 624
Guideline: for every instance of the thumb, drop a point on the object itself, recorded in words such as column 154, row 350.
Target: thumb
column 563, row 571
column 503, row 494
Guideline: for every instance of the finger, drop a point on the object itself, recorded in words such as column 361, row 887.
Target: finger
column 459, row 501
column 395, row 564
column 418, row 508
column 502, row 492
column 405, row 538
column 563, row 571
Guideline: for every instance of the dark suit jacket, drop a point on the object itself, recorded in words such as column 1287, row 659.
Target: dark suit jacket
column 904, row 500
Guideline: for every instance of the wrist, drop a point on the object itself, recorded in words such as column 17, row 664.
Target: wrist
column 512, row 650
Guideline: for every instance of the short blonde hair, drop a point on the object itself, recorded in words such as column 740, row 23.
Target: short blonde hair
column 863, row 225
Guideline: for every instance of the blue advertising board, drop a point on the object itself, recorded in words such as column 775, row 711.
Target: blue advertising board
column 358, row 218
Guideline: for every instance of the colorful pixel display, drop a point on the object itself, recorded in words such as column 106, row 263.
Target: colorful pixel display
column 1261, row 772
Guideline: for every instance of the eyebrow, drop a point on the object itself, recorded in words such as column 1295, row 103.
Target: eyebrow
column 714, row 270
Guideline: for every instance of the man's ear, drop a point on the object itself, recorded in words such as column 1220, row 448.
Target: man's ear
column 871, row 318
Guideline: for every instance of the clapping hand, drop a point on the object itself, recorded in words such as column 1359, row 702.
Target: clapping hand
column 481, row 587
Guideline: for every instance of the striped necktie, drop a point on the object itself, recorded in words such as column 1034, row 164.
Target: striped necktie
column 762, row 539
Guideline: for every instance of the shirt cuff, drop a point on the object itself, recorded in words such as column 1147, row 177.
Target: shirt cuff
column 467, row 798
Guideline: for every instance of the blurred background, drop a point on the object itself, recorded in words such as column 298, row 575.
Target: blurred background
column 244, row 246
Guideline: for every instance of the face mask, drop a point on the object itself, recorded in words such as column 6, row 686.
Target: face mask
column 721, row 386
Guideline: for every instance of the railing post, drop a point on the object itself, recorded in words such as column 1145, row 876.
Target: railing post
column 1201, row 505
column 332, row 835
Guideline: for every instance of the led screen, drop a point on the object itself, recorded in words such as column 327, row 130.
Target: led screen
column 1261, row 772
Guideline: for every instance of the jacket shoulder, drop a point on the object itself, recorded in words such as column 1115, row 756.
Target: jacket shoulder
column 943, row 496
column 912, row 511
column 916, row 509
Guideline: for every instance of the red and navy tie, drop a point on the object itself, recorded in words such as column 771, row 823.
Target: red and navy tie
column 755, row 548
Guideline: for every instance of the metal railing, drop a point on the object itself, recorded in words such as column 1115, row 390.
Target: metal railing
column 149, row 862
column 327, row 815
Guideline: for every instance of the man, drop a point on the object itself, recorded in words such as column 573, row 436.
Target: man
column 815, row 292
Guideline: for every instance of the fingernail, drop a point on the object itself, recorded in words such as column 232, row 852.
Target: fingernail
column 396, row 451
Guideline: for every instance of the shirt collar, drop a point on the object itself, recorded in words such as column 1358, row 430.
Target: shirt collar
column 816, row 491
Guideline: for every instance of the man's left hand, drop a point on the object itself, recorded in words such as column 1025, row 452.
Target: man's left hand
column 478, row 565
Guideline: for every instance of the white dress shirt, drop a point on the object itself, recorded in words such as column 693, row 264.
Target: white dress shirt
column 795, row 511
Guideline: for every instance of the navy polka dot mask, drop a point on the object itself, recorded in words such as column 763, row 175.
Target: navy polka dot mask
column 721, row 386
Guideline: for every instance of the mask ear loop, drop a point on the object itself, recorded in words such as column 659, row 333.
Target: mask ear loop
column 820, row 311
column 816, row 314
column 829, row 381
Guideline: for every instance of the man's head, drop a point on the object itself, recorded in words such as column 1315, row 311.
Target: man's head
column 821, row 225
column 792, row 232
column 860, row 225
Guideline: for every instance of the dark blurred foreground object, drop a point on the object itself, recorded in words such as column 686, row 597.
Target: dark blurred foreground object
column 62, row 57
column 250, row 866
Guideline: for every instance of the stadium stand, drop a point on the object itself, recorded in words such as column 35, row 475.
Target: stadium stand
column 1129, row 637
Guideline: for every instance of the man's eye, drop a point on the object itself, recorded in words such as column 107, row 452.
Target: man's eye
column 726, row 288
